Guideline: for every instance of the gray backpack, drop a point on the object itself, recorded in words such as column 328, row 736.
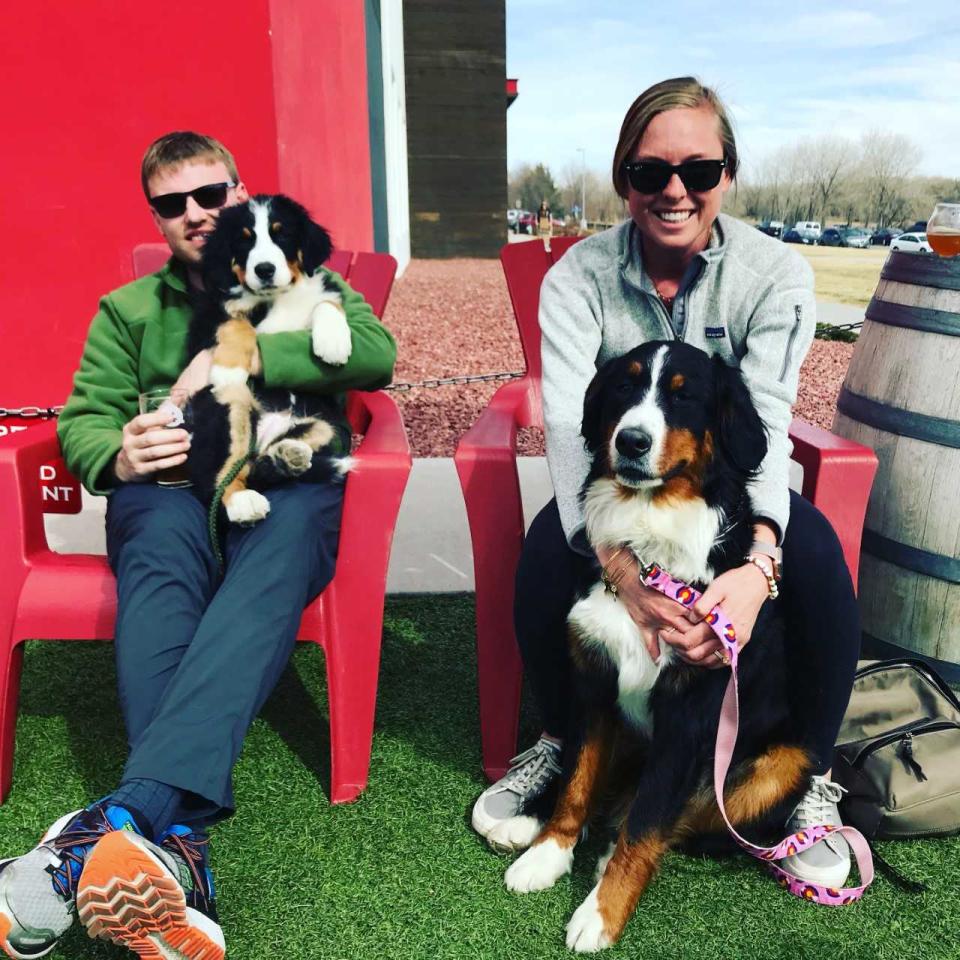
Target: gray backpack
column 898, row 752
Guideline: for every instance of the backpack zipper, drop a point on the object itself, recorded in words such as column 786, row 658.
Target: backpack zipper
column 905, row 733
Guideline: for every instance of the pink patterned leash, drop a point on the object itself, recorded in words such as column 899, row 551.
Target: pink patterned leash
column 657, row 578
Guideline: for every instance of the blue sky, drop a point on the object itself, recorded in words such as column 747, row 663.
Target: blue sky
column 837, row 68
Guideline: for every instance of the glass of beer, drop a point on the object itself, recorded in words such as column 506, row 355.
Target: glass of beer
column 172, row 400
column 943, row 229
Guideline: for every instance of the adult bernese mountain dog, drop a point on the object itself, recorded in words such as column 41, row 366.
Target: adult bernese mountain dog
column 260, row 272
column 674, row 439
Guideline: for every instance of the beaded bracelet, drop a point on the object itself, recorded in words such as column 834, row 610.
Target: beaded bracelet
column 773, row 591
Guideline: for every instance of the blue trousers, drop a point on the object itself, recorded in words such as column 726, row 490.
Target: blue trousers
column 198, row 654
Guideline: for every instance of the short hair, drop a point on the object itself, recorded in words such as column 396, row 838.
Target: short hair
column 670, row 95
column 174, row 149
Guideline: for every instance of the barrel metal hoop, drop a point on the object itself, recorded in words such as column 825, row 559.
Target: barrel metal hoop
column 904, row 423
column 924, row 271
column 911, row 558
column 914, row 318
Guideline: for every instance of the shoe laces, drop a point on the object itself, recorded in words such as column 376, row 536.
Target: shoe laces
column 72, row 846
column 191, row 848
column 818, row 804
column 533, row 769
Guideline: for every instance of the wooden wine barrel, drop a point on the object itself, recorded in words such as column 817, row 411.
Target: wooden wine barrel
column 901, row 396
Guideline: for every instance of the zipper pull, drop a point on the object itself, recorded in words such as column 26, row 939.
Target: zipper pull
column 798, row 311
column 906, row 752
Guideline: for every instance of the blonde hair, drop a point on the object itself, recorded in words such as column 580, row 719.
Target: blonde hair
column 671, row 94
column 179, row 147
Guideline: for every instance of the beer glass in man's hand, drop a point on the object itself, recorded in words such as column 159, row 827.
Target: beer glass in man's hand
column 943, row 229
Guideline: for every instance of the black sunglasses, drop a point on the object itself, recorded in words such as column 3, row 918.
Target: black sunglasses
column 651, row 176
column 210, row 196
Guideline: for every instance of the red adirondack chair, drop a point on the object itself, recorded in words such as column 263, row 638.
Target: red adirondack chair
column 837, row 475
column 50, row 596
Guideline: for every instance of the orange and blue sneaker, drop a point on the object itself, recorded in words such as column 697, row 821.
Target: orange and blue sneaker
column 38, row 890
column 156, row 900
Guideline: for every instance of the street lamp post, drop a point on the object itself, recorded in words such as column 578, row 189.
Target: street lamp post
column 583, row 187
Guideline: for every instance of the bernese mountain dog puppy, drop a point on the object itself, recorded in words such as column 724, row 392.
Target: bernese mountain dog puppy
column 260, row 275
column 674, row 439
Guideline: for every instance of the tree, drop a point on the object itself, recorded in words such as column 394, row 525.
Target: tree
column 888, row 160
column 531, row 184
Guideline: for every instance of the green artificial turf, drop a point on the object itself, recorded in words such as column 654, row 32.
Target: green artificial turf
column 399, row 874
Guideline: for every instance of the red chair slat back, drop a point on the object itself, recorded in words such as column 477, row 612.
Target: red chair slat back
column 524, row 267
column 368, row 273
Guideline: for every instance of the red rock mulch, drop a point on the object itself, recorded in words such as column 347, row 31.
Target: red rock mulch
column 453, row 317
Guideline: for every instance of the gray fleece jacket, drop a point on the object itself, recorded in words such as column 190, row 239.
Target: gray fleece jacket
column 747, row 298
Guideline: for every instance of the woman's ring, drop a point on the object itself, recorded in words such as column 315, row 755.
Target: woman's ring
column 722, row 657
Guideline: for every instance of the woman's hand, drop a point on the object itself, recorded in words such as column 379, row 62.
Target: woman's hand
column 654, row 614
column 150, row 446
column 741, row 592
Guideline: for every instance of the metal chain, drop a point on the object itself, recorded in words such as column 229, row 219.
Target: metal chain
column 45, row 413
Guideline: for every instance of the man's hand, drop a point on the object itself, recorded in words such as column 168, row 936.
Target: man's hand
column 148, row 447
column 197, row 373
column 741, row 593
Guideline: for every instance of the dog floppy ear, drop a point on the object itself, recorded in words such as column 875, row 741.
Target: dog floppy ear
column 592, row 425
column 217, row 260
column 741, row 434
column 315, row 248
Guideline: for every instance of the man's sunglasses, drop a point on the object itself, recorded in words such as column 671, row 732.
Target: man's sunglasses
column 651, row 176
column 211, row 196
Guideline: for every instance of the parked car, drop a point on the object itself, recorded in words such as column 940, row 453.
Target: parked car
column 512, row 214
column 855, row 237
column 919, row 226
column 772, row 228
column 521, row 221
column 884, row 236
column 809, row 230
column 831, row 237
column 911, row 243
column 791, row 236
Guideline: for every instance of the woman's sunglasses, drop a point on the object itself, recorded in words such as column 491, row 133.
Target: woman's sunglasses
column 211, row 196
column 651, row 176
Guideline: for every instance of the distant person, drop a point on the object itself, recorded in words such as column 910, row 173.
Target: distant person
column 544, row 220
column 680, row 269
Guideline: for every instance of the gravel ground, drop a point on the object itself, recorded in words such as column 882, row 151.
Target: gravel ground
column 453, row 317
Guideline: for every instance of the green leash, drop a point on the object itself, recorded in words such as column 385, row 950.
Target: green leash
column 213, row 513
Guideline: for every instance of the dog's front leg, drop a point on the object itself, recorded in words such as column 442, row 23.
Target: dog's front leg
column 551, row 854
column 332, row 341
column 233, row 355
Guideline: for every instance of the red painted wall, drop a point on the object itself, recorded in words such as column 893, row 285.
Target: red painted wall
column 89, row 85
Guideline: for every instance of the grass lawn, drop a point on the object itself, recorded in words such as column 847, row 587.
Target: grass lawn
column 845, row 274
column 399, row 874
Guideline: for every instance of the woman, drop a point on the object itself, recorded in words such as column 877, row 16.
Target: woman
column 544, row 220
column 678, row 268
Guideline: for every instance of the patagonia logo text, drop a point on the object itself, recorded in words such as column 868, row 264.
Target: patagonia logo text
column 715, row 333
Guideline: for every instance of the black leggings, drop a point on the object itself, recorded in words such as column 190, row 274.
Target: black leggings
column 816, row 592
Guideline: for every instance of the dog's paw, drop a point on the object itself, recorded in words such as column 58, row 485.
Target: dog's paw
column 585, row 931
column 224, row 376
column 332, row 342
column 514, row 834
column 539, row 868
column 293, row 457
column 247, row 506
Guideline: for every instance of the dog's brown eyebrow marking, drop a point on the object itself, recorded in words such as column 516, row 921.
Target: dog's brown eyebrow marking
column 635, row 368
column 677, row 381
column 275, row 226
column 246, row 232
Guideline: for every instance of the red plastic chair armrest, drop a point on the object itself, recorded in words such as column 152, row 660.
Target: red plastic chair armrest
column 495, row 432
column 837, row 477
column 21, row 514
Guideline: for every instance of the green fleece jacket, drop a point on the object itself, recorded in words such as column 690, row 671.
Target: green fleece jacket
column 137, row 342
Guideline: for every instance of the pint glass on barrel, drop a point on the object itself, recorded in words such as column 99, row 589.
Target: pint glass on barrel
column 943, row 229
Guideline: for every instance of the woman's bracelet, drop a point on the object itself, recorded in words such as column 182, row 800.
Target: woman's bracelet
column 611, row 581
column 773, row 590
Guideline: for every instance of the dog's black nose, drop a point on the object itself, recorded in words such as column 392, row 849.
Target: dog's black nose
column 265, row 271
column 633, row 442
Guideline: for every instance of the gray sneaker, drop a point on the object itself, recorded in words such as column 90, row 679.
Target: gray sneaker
column 38, row 890
column 827, row 863
column 499, row 815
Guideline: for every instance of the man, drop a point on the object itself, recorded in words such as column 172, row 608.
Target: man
column 187, row 697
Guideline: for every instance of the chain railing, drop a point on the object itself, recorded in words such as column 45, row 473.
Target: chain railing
column 47, row 413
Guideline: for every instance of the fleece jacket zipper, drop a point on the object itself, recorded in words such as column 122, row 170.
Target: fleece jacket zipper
column 798, row 315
